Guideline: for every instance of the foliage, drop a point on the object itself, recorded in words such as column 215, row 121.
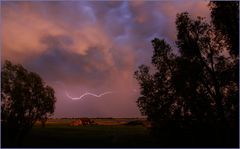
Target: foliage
column 24, row 99
column 195, row 88
column 225, row 17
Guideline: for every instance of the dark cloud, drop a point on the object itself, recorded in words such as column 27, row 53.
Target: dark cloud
column 90, row 46
column 58, row 63
column 57, row 41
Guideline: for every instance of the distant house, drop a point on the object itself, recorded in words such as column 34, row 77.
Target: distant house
column 76, row 123
column 82, row 121
column 86, row 121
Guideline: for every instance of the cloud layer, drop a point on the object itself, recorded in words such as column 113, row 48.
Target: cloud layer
column 90, row 46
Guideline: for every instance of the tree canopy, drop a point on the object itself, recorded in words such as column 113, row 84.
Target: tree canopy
column 24, row 99
column 199, row 85
column 225, row 18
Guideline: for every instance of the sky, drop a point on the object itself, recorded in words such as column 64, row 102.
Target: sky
column 90, row 46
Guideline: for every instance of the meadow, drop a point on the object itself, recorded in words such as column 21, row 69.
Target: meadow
column 106, row 133
column 118, row 132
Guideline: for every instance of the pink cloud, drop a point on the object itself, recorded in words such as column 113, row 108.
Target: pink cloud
column 92, row 46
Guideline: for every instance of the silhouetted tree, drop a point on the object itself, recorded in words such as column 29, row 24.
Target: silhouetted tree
column 194, row 89
column 225, row 18
column 200, row 44
column 24, row 99
column 157, row 99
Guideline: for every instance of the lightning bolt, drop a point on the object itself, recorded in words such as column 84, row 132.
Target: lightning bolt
column 83, row 95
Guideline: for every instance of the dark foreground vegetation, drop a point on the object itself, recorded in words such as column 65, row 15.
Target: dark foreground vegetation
column 193, row 92
column 111, row 133
column 198, row 136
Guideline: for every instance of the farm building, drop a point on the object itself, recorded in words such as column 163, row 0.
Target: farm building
column 82, row 121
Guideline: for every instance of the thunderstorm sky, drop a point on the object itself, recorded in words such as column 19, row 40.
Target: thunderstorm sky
column 90, row 46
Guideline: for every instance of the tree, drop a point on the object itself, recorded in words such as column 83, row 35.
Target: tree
column 25, row 99
column 195, row 89
column 225, row 18
column 157, row 94
column 202, row 45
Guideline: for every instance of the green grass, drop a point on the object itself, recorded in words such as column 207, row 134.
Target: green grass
column 62, row 135
column 59, row 134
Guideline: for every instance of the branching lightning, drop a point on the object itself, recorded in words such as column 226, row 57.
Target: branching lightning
column 83, row 95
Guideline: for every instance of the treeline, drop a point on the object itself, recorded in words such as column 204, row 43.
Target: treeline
column 193, row 96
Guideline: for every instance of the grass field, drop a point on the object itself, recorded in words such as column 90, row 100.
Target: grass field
column 120, row 132
column 110, row 133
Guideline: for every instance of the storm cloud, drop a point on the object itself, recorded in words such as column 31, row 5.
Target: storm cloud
column 90, row 46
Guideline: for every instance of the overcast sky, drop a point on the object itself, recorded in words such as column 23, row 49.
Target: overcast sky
column 90, row 46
